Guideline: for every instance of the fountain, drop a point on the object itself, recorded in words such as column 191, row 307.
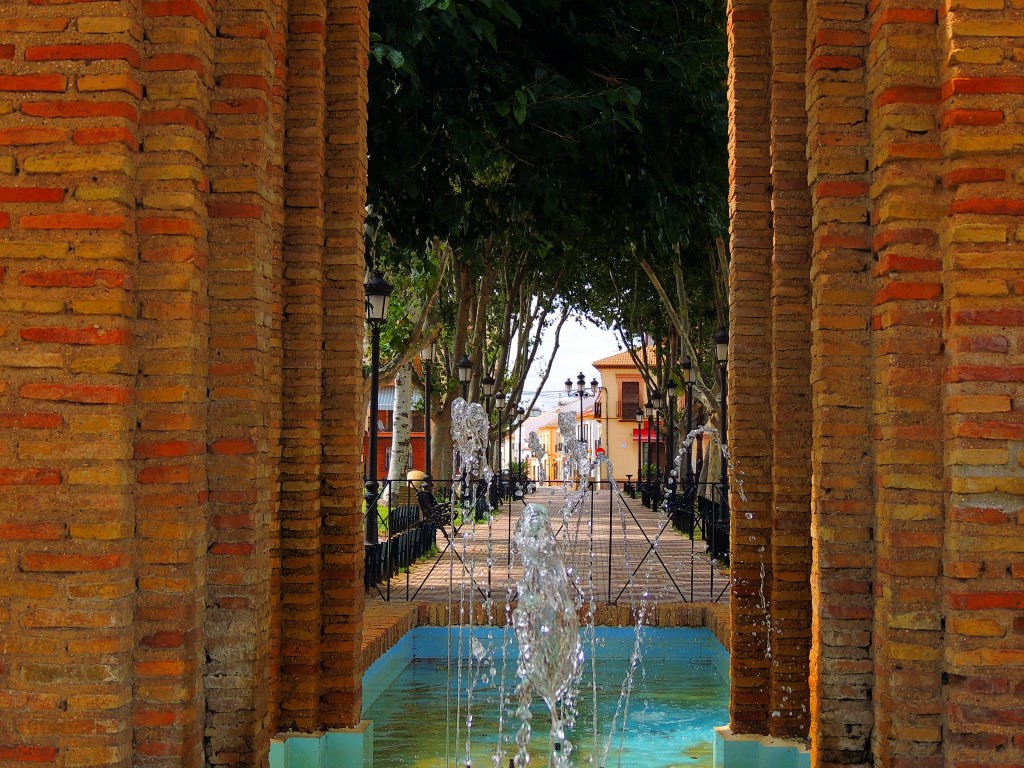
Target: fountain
column 550, row 582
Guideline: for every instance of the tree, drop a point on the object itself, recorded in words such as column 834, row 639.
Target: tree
column 547, row 143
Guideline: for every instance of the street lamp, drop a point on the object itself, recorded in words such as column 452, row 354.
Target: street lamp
column 427, row 358
column 487, row 384
column 465, row 366
column 499, row 405
column 639, row 428
column 521, row 414
column 688, row 382
column 670, row 393
column 722, row 358
column 656, row 401
column 378, row 296
column 649, row 410
column 582, row 393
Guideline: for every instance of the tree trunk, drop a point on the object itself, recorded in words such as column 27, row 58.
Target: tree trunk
column 441, row 444
column 400, row 445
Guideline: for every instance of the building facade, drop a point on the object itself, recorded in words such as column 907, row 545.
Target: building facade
column 629, row 445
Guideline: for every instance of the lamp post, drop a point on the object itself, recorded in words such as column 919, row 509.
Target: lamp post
column 487, row 385
column 378, row 296
column 521, row 413
column 639, row 435
column 688, row 382
column 465, row 366
column 656, row 401
column 670, row 393
column 582, row 393
column 722, row 358
column 499, row 405
column 427, row 358
column 649, row 410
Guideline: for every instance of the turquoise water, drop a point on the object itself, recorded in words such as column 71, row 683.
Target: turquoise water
column 679, row 696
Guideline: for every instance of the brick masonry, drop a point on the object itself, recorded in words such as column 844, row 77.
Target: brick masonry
column 168, row 169
column 182, row 187
column 899, row 240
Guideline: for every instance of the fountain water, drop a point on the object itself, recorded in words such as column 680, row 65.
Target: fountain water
column 553, row 556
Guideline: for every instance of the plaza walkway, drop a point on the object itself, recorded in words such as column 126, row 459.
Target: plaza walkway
column 649, row 560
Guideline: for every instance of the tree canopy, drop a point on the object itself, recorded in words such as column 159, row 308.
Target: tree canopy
column 569, row 150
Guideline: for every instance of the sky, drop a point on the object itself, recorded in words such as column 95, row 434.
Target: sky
column 581, row 343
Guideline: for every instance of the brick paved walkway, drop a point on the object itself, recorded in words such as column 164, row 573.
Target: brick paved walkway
column 677, row 570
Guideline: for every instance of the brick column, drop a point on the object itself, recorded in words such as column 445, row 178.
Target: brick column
column 303, row 367
column 981, row 241
column 341, row 537
column 243, row 383
column 907, row 201
column 790, row 376
column 170, row 444
column 749, row 362
column 842, row 498
column 69, row 123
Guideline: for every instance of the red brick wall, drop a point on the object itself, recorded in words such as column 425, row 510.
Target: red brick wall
column 167, row 276
column 982, row 282
column 915, row 476
column 750, row 349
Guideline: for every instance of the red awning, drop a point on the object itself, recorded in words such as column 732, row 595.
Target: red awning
column 645, row 435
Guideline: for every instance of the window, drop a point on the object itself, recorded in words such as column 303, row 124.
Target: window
column 417, row 422
column 629, row 400
column 597, row 410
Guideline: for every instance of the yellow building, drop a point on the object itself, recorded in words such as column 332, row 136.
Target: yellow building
column 622, row 393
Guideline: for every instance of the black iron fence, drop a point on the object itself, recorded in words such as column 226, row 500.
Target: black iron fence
column 417, row 521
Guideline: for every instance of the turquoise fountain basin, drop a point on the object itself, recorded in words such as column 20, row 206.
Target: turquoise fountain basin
column 680, row 693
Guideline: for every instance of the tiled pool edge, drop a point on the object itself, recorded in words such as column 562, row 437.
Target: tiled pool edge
column 337, row 748
column 432, row 642
column 388, row 625
column 731, row 750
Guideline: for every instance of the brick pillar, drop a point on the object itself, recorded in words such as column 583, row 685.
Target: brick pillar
column 341, row 539
column 981, row 241
column 907, row 201
column 749, row 362
column 243, row 383
column 69, row 125
column 170, row 444
column 790, row 376
column 842, row 497
column 303, row 367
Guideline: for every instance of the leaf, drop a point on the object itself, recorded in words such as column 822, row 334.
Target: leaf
column 520, row 106
column 520, row 112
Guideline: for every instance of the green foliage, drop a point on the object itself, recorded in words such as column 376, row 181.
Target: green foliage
column 517, row 467
column 570, row 136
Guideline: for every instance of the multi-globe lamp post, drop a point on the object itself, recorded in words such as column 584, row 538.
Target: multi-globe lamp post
column 582, row 393
column 378, row 297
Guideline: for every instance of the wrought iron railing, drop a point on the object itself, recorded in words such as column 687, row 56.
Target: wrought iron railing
column 420, row 523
